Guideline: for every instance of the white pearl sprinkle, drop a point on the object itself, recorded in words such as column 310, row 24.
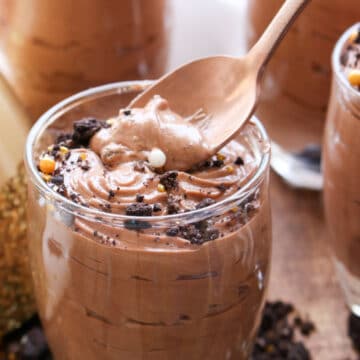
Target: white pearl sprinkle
column 157, row 158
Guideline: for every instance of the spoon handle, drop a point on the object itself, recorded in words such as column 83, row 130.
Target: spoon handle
column 261, row 52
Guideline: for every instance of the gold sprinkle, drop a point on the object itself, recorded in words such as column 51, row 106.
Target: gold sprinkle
column 354, row 77
column 83, row 156
column 161, row 188
column 353, row 36
column 229, row 169
column 50, row 148
column 110, row 121
column 220, row 157
column 234, row 209
column 47, row 165
column 64, row 150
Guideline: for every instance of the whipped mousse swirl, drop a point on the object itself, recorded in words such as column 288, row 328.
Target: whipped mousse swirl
column 105, row 164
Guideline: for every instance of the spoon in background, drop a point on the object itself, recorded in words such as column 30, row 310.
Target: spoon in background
column 226, row 88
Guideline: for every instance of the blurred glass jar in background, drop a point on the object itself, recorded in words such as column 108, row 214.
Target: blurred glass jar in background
column 297, row 81
column 52, row 49
column 48, row 51
column 342, row 172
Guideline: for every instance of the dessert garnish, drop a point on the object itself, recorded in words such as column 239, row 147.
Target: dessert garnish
column 350, row 59
column 117, row 165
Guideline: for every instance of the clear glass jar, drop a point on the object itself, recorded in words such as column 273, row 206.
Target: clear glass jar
column 296, row 87
column 342, row 177
column 151, row 296
column 50, row 50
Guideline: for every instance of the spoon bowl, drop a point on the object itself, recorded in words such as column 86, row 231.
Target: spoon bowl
column 219, row 104
column 224, row 89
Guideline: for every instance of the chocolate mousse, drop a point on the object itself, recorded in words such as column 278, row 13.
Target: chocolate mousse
column 166, row 266
column 341, row 163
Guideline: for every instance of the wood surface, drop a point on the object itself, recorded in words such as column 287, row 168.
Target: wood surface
column 302, row 270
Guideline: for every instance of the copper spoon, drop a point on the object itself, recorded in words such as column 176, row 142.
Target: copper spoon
column 224, row 87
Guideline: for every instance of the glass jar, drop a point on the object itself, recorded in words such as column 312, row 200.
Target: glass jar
column 51, row 49
column 147, row 296
column 297, row 81
column 342, row 177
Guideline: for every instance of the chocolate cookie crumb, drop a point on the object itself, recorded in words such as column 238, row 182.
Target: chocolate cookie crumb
column 63, row 138
column 84, row 130
column 217, row 163
column 307, row 327
column 139, row 209
column 172, row 208
column 276, row 337
column 111, row 194
column 127, row 112
column 298, row 351
column 344, row 58
column 205, row 203
column 354, row 330
column 297, row 321
column 191, row 233
column 74, row 197
column 139, row 198
column 57, row 180
column 210, row 234
column 156, row 207
column 172, row 231
column 197, row 233
column 239, row 161
column 169, row 180
column 27, row 342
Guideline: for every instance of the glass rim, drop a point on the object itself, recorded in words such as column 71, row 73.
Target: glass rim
column 335, row 59
column 69, row 206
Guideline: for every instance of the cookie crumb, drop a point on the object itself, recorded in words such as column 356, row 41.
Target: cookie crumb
column 276, row 336
column 239, row 161
column 85, row 129
column 139, row 209
column 354, row 330
column 173, row 231
column 169, row 180
column 156, row 207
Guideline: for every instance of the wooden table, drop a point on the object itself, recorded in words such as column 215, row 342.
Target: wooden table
column 302, row 271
